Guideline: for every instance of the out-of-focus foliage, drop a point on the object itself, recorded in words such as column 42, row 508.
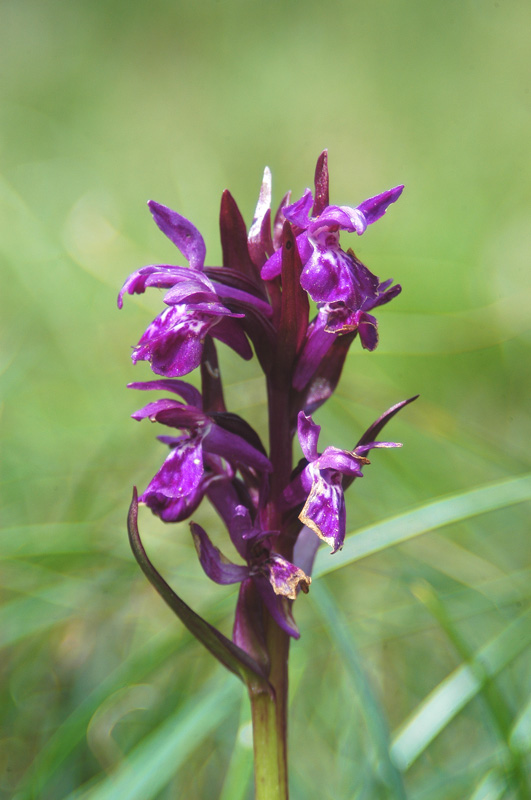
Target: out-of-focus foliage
column 423, row 687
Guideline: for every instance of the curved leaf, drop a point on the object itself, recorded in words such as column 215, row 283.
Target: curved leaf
column 230, row 655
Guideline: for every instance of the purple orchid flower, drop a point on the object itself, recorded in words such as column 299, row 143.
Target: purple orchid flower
column 320, row 484
column 344, row 289
column 258, row 300
column 273, row 578
column 276, row 517
column 173, row 343
column 206, row 453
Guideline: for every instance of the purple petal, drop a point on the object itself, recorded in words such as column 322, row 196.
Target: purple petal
column 244, row 299
column 218, row 568
column 181, row 232
column 229, row 332
column 324, row 511
column 273, row 266
column 340, row 318
column 181, row 472
column 285, row 578
column 335, row 218
column 240, row 525
column 375, row 207
column 176, row 509
column 327, row 275
column 167, row 344
column 172, row 413
column 242, row 530
column 308, row 432
column 296, row 491
column 383, row 297
column 195, row 287
column 237, row 425
column 189, row 393
column 225, row 500
column 159, row 275
column 298, row 213
column 341, row 461
column 173, row 343
column 368, row 331
column 234, row 448
column 170, row 509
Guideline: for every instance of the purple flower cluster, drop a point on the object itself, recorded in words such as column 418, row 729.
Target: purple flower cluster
column 259, row 300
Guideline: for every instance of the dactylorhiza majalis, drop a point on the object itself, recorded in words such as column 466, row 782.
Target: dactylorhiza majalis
column 275, row 514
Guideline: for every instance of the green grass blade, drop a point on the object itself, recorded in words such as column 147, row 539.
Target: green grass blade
column 520, row 739
column 157, row 758
column 373, row 713
column 499, row 711
column 491, row 787
column 136, row 668
column 401, row 528
column 454, row 692
column 239, row 775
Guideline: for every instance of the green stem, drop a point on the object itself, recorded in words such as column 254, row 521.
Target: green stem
column 269, row 715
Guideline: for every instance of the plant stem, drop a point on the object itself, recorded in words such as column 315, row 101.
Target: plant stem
column 269, row 709
column 269, row 715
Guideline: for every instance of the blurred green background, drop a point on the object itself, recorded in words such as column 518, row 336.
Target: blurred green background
column 421, row 648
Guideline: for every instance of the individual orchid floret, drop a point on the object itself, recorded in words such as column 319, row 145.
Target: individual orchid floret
column 197, row 457
column 336, row 280
column 173, row 343
column 275, row 578
column 318, row 242
column 330, row 274
column 188, row 240
column 320, row 484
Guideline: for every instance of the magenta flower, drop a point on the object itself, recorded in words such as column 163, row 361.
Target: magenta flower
column 259, row 297
column 173, row 342
column 320, row 484
column 205, row 453
column 275, row 579
column 344, row 289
